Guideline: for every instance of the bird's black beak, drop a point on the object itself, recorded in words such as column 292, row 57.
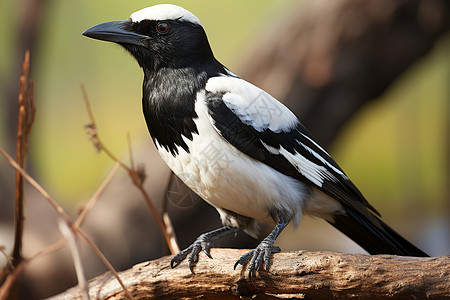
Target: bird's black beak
column 115, row 32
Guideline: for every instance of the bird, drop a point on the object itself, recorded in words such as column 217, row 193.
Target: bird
column 236, row 146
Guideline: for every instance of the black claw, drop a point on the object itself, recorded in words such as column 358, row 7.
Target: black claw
column 276, row 249
column 258, row 257
column 177, row 259
column 173, row 264
column 207, row 252
column 250, row 275
column 256, row 261
column 203, row 243
column 243, row 260
column 191, row 265
column 235, row 265
column 261, row 254
column 267, row 266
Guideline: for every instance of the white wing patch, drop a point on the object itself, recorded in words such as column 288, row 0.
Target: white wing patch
column 258, row 109
column 252, row 105
column 313, row 172
column 307, row 168
column 272, row 150
column 323, row 160
column 162, row 12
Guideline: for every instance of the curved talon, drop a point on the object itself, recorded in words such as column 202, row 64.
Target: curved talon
column 173, row 264
column 207, row 252
column 243, row 260
column 177, row 259
column 192, row 261
column 235, row 265
column 258, row 257
column 261, row 254
column 275, row 249
column 203, row 243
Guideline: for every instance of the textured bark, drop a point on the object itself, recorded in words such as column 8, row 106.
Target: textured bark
column 293, row 275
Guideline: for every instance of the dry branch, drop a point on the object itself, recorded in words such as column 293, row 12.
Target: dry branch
column 64, row 216
column 27, row 112
column 25, row 122
column 13, row 275
column 137, row 176
column 293, row 275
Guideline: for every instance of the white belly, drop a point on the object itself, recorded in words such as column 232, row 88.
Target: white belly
column 229, row 179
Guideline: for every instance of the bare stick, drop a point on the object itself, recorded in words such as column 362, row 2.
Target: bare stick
column 37, row 186
column 106, row 262
column 75, row 250
column 12, row 277
column 170, row 231
column 94, row 198
column 136, row 178
column 62, row 213
column 26, row 119
column 130, row 151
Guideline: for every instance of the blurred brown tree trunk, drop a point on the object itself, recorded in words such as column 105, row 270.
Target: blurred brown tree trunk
column 327, row 59
column 29, row 15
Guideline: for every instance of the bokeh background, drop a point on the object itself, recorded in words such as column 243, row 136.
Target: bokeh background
column 394, row 142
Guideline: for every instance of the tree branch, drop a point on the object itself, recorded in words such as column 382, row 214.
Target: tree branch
column 293, row 275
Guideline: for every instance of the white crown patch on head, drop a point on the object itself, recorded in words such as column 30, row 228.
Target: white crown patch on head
column 162, row 12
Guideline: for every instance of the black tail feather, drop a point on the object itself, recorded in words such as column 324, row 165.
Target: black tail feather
column 374, row 239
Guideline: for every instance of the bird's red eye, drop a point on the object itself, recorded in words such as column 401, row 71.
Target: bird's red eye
column 162, row 27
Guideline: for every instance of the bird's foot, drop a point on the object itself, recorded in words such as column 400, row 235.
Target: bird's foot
column 203, row 243
column 258, row 257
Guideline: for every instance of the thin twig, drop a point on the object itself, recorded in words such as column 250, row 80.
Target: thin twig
column 37, row 186
column 170, row 231
column 71, row 238
column 63, row 214
column 81, row 217
column 130, row 152
column 7, row 257
column 7, row 285
column 12, row 277
column 106, row 262
column 26, row 119
column 94, row 198
column 135, row 177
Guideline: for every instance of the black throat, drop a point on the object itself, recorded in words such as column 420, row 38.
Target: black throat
column 168, row 102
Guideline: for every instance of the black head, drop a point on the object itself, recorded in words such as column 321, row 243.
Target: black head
column 171, row 46
column 160, row 36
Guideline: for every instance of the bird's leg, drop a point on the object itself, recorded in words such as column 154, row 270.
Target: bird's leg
column 261, row 254
column 204, row 242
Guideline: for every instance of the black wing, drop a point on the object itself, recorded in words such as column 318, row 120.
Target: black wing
column 284, row 144
column 265, row 145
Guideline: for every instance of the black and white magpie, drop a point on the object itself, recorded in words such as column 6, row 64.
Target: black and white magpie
column 236, row 146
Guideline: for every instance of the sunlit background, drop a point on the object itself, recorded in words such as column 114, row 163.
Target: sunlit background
column 396, row 150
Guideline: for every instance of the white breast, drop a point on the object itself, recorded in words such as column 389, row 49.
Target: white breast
column 229, row 179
